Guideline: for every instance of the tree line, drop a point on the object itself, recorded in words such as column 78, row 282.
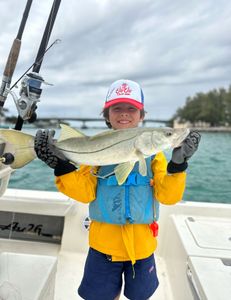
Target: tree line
column 213, row 107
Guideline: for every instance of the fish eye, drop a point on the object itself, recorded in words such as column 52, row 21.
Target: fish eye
column 168, row 133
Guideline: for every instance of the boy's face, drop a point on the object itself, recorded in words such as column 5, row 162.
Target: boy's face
column 124, row 115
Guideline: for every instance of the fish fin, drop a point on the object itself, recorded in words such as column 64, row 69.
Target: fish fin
column 68, row 132
column 123, row 170
column 142, row 163
column 2, row 147
column 19, row 144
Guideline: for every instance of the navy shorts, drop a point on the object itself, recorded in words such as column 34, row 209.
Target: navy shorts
column 102, row 279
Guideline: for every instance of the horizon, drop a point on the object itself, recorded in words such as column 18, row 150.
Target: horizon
column 172, row 49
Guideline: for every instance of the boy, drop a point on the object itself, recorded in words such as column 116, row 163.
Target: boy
column 117, row 249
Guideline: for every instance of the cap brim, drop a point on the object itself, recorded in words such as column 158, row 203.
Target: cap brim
column 124, row 100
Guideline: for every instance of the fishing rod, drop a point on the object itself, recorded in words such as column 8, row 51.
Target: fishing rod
column 30, row 91
column 16, row 82
column 13, row 57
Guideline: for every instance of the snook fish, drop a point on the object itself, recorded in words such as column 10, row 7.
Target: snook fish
column 123, row 147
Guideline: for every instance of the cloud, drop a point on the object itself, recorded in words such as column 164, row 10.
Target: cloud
column 174, row 49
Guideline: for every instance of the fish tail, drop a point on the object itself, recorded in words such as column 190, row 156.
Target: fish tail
column 20, row 145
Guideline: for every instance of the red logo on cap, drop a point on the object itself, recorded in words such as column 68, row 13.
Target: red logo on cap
column 123, row 90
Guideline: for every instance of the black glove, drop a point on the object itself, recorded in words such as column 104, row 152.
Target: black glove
column 46, row 151
column 181, row 154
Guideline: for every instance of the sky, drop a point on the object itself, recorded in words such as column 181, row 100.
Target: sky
column 173, row 49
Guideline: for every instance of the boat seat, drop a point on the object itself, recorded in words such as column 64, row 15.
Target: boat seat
column 204, row 236
column 27, row 276
column 210, row 277
column 203, row 252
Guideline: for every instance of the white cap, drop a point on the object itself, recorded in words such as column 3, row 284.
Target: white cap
column 127, row 91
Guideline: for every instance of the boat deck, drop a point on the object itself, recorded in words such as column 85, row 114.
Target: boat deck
column 193, row 257
column 71, row 270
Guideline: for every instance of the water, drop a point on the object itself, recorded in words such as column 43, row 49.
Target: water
column 209, row 172
column 208, row 179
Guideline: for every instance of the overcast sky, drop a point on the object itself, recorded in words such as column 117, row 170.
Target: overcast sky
column 173, row 49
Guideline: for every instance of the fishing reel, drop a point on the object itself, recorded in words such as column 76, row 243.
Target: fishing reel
column 30, row 93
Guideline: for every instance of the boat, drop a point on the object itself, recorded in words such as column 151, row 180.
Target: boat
column 44, row 235
column 44, row 243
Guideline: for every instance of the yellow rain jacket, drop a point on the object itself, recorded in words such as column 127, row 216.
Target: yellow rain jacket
column 130, row 241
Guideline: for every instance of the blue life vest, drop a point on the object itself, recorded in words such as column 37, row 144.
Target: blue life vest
column 132, row 202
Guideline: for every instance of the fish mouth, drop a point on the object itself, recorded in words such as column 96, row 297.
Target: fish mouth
column 181, row 137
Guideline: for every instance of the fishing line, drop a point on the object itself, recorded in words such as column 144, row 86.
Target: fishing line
column 39, row 60
column 29, row 113
column 7, row 289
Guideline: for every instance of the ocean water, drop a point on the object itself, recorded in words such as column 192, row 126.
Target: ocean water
column 208, row 174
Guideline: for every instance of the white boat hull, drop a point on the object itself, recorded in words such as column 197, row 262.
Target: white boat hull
column 193, row 255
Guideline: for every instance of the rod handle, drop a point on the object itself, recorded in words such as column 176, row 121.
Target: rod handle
column 12, row 59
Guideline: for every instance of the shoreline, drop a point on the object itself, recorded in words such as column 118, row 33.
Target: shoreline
column 212, row 129
column 47, row 125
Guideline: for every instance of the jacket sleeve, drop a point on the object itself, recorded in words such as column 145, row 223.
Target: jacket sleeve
column 168, row 188
column 79, row 185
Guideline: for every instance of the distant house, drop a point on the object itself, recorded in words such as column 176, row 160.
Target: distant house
column 199, row 124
